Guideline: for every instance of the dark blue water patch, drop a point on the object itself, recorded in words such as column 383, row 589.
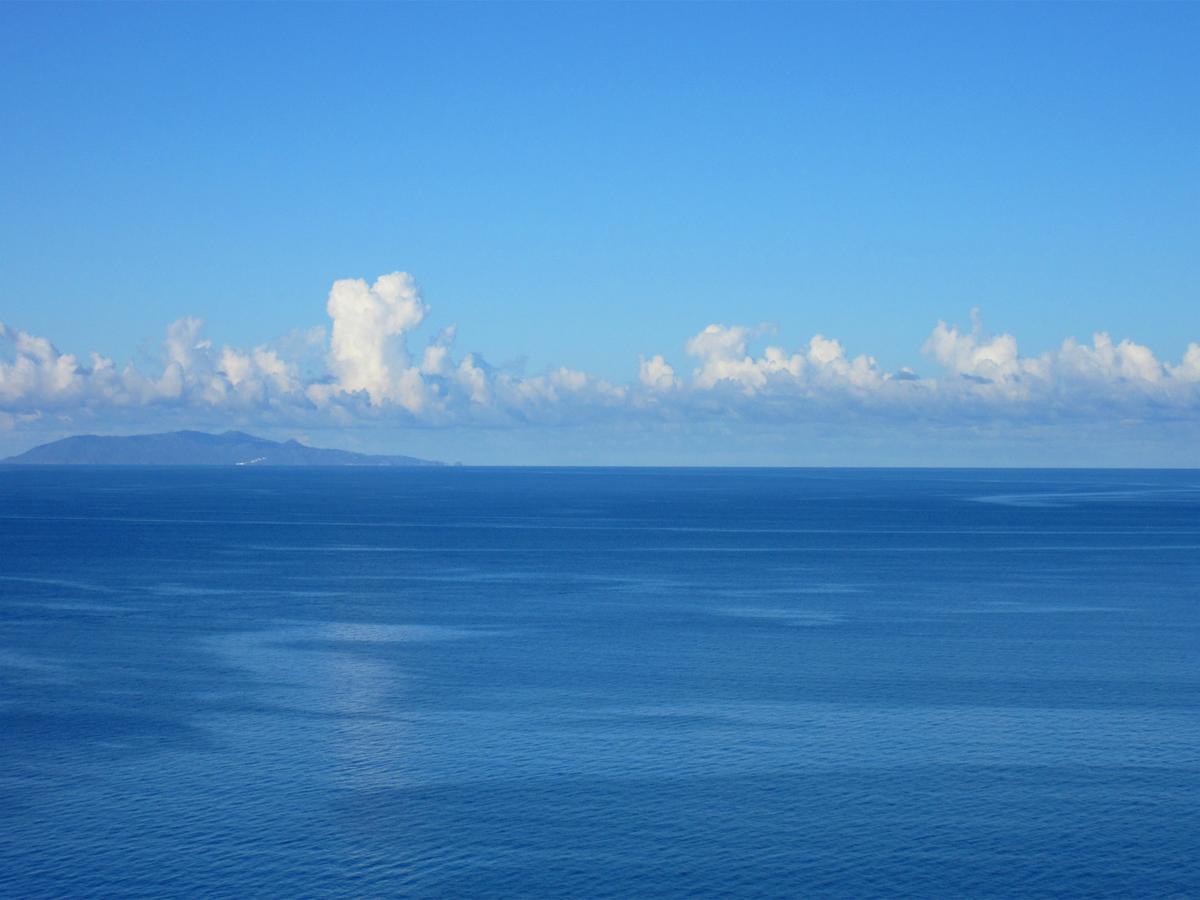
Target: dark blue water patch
column 605, row 682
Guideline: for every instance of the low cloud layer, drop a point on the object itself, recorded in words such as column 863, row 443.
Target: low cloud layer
column 366, row 370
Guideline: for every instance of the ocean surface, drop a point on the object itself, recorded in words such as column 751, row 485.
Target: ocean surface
column 599, row 682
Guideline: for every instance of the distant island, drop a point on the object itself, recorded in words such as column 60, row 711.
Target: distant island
column 196, row 448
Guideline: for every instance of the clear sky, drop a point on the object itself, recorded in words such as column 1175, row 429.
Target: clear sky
column 584, row 186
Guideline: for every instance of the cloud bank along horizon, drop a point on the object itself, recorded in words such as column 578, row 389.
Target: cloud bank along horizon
column 362, row 370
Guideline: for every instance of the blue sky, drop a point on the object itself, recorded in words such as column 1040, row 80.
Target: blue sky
column 581, row 185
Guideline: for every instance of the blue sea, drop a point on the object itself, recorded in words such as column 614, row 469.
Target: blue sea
column 599, row 682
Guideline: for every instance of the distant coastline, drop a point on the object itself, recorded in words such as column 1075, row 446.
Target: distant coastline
column 197, row 448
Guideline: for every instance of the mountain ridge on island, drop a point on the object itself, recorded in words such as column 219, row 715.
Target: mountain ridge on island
column 196, row 448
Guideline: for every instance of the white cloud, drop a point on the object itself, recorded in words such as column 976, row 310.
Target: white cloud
column 37, row 369
column 474, row 380
column 436, row 360
column 1105, row 361
column 367, row 351
column 1189, row 368
column 722, row 354
column 656, row 373
column 823, row 365
column 361, row 370
column 992, row 359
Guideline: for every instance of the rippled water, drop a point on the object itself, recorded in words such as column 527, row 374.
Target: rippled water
column 599, row 682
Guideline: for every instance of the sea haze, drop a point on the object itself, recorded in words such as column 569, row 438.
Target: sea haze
column 589, row 682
